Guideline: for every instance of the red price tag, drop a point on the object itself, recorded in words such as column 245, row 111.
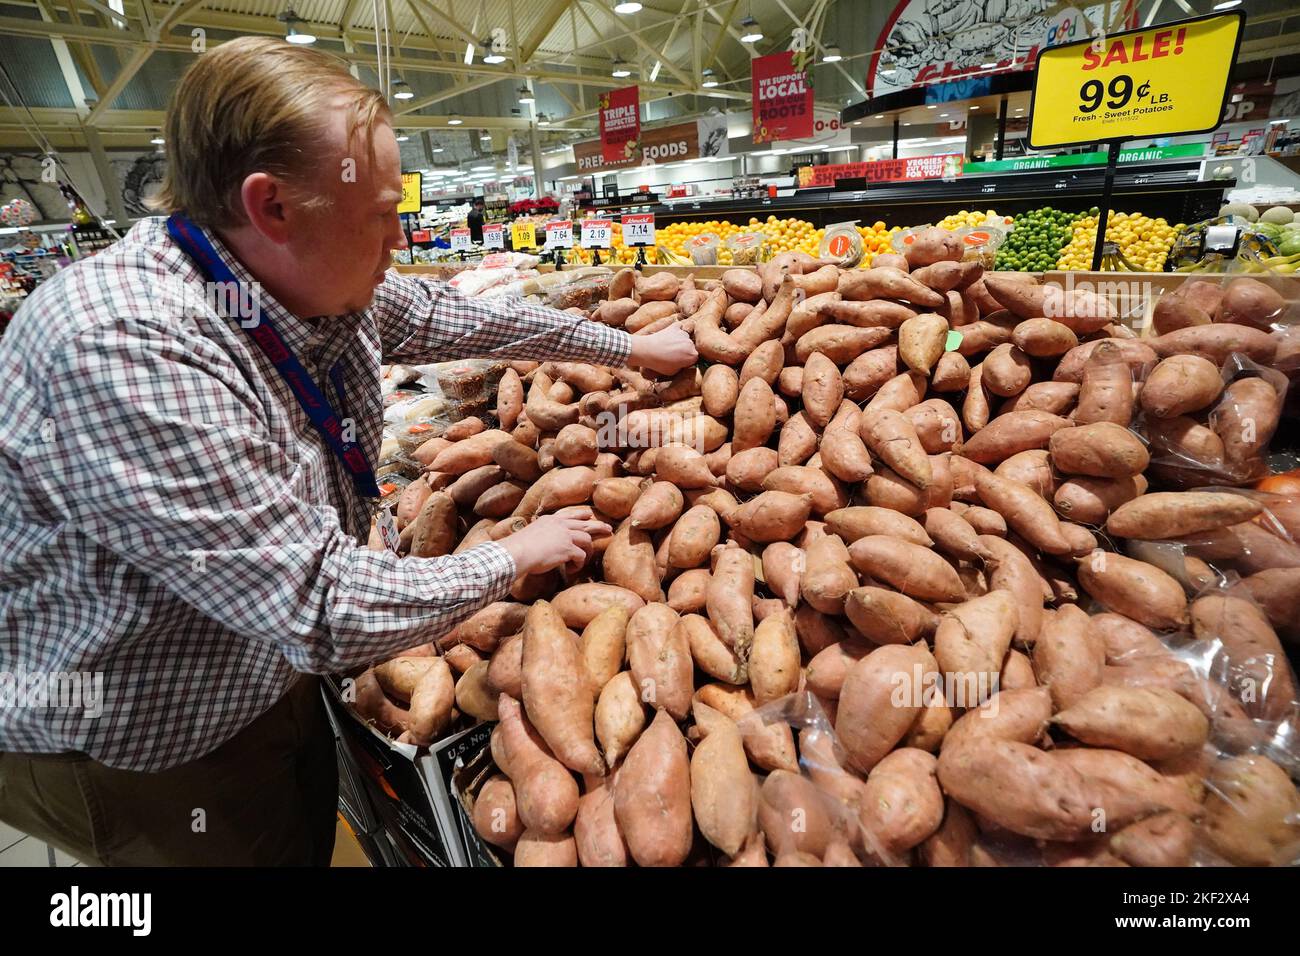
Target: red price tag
column 639, row 229
column 597, row 233
column 460, row 240
column 559, row 234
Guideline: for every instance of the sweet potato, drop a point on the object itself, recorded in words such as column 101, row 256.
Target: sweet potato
column 921, row 341
column 764, row 362
column 1173, row 312
column 1123, row 789
column 517, row 459
column 826, row 671
column 770, row 746
column 946, row 275
column 874, row 710
column 809, row 314
column 1246, row 418
column 545, row 792
column 796, row 819
column 769, row 323
column 825, row 494
column 840, row 343
column 984, row 520
column 1179, row 385
column 495, row 815
column 1026, row 512
column 913, row 570
column 1165, row 839
column 604, row 645
column 615, row 497
column 901, row 803
column 660, row 659
column 798, row 440
column 971, row 641
column 1250, row 302
column 1259, row 677
column 473, row 695
column 657, row 507
column 1091, row 500
column 652, row 801
column 1135, row 589
column 827, row 575
column 933, row 245
column 1017, row 787
column 822, row 389
column 1173, row 514
column 721, row 387
column 1055, row 398
column 1151, row 723
column 1252, row 813
column 1032, row 468
column 684, row 467
column 869, row 371
column 742, row 285
column 898, row 394
column 1021, row 715
column 774, row 658
column 979, row 337
column 693, row 536
column 1100, row 450
column 730, row 599
column 884, row 282
column 1044, row 338
column 1216, row 343
column 859, row 521
column 1106, row 389
column 1014, row 572
column 879, row 313
column 1011, row 433
column 951, row 844
column 1006, row 371
column 723, row 796
column 576, row 445
column 557, row 693
column 620, row 716
column 782, row 567
column 1277, row 592
column 954, row 536
column 755, row 416
column 1138, row 356
column 887, row 617
column 710, row 654
column 894, row 440
column 773, row 516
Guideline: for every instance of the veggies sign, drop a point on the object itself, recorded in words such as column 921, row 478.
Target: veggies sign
column 783, row 100
column 620, row 124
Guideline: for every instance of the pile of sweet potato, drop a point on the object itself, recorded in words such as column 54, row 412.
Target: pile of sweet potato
column 892, row 581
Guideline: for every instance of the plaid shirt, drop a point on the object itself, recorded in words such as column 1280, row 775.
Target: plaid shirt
column 171, row 520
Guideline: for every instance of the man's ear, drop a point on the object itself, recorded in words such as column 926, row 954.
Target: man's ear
column 266, row 206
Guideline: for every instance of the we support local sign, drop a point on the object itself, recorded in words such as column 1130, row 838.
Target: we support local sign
column 620, row 123
column 945, row 165
column 1161, row 81
column 783, row 100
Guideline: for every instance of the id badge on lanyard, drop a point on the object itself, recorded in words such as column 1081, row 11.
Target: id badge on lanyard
column 313, row 401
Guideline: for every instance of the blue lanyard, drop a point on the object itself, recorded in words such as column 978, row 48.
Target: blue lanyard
column 196, row 245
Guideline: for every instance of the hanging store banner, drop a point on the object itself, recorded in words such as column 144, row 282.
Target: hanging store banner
column 911, row 168
column 1162, row 81
column 663, row 145
column 782, row 96
column 960, row 43
column 620, row 124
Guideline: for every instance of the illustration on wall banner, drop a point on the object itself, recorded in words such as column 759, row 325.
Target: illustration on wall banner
column 933, row 41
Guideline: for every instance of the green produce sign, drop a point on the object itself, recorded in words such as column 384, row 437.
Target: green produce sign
column 1148, row 155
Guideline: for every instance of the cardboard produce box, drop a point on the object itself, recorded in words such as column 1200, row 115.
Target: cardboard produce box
column 409, row 787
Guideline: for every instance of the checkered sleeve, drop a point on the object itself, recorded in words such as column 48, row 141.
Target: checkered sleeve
column 162, row 457
column 421, row 320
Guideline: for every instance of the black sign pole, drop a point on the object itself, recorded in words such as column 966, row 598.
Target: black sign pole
column 1112, row 160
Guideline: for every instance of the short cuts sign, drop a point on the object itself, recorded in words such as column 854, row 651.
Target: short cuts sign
column 620, row 124
column 663, row 145
column 783, row 100
column 942, row 166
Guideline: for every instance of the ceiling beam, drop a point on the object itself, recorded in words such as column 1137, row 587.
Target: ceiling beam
column 550, row 17
column 124, row 76
column 447, row 94
column 645, row 47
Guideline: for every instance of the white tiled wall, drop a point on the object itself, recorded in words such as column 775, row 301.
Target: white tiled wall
column 18, row 849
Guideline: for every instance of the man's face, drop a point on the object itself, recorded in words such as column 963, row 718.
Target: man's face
column 345, row 247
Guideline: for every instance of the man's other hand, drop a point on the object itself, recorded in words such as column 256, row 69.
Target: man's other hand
column 553, row 540
column 667, row 351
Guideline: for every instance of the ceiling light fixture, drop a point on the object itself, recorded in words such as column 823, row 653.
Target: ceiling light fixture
column 629, row 6
column 543, row 119
column 832, row 55
column 752, row 33
column 157, row 139
column 620, row 69
column 710, row 81
column 454, row 120
column 974, row 107
column 295, row 35
column 469, row 54
column 493, row 55
column 525, row 94
column 1227, row 4
column 402, row 137
column 402, row 91
column 932, row 106
column 436, row 149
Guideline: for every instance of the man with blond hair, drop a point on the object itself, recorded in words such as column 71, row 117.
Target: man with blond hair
column 188, row 436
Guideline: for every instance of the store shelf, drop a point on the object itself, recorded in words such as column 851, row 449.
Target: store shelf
column 1171, row 190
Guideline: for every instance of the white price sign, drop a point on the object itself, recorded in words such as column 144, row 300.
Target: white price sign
column 559, row 235
column 639, row 229
column 493, row 237
column 597, row 233
column 460, row 240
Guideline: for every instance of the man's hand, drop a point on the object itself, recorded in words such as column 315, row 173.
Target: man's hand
column 667, row 351
column 553, row 540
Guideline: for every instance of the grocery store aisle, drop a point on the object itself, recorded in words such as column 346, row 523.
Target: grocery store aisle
column 19, row 849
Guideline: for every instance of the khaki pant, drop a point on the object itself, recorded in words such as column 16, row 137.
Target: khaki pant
column 266, row 797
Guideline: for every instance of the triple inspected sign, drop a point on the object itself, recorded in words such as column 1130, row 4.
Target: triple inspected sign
column 1162, row 81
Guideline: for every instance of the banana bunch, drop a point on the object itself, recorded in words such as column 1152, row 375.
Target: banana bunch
column 1114, row 260
column 666, row 257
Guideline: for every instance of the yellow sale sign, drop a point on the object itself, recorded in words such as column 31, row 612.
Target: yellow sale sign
column 1161, row 81
column 523, row 235
column 410, row 193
